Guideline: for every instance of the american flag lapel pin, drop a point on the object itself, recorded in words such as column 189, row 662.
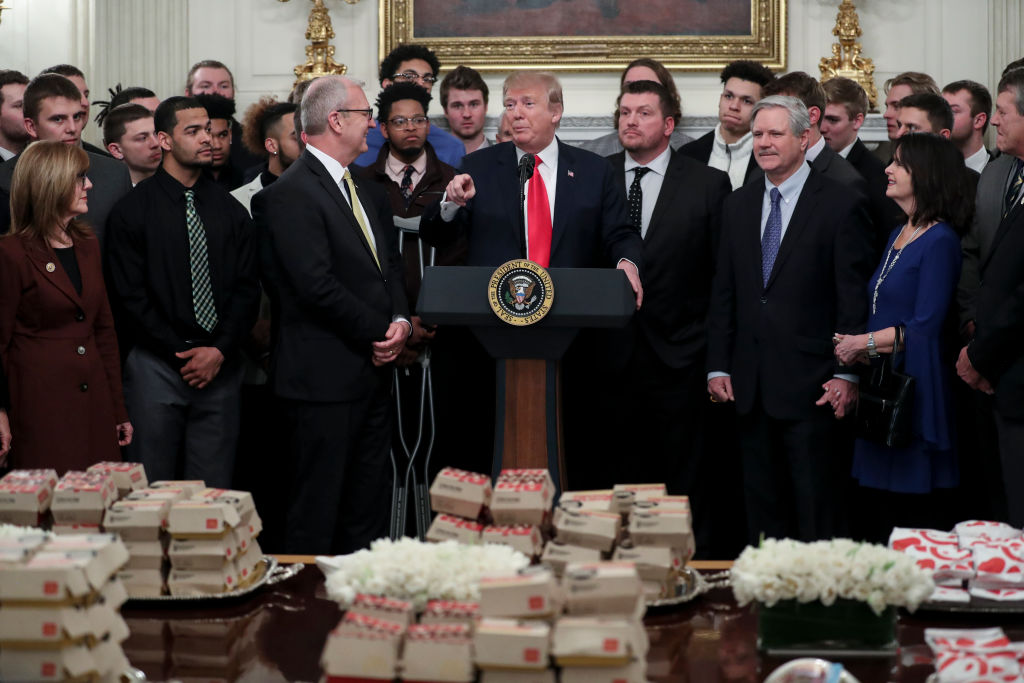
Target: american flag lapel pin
column 571, row 174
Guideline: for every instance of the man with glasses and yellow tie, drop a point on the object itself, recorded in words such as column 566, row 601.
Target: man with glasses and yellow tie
column 334, row 276
column 420, row 66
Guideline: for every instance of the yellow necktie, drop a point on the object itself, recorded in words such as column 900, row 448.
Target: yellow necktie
column 360, row 218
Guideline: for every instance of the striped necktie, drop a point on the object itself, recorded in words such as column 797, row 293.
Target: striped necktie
column 199, row 262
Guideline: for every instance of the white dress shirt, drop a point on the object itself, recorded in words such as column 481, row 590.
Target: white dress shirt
column 6, row 154
column 812, row 153
column 845, row 151
column 650, row 184
column 977, row 161
column 731, row 158
column 337, row 172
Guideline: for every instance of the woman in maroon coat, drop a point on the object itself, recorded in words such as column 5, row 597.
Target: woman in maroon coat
column 57, row 337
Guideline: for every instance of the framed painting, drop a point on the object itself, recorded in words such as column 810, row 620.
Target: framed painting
column 589, row 35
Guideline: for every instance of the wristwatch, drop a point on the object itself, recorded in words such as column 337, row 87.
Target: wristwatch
column 872, row 347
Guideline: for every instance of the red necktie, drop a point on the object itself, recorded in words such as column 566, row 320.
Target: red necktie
column 538, row 215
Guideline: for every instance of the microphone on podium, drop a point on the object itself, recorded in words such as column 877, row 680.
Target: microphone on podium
column 526, row 166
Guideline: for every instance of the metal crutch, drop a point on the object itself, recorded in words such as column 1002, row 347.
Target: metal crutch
column 412, row 481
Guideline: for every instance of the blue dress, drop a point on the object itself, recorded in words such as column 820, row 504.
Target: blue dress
column 916, row 294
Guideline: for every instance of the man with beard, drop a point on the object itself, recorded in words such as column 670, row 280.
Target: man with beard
column 269, row 132
column 129, row 136
column 210, row 77
column 183, row 273
column 221, row 111
column 13, row 136
column 657, row 362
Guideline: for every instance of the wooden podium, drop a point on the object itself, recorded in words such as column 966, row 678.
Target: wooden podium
column 528, row 421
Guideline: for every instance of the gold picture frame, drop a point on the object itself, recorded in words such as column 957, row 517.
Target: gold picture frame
column 765, row 43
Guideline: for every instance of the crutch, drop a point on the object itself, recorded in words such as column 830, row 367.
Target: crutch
column 411, row 484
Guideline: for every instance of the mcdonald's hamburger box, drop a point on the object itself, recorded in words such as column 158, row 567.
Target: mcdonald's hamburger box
column 362, row 647
column 522, row 497
column 588, row 528
column 243, row 501
column 517, row 676
column 656, row 566
column 610, row 588
column 81, row 498
column 248, row 564
column 460, row 493
column 127, row 476
column 451, row 612
column 597, row 641
column 523, row 537
column 634, row 672
column 168, row 493
column 664, row 503
column 137, row 520
column 380, row 607
column 24, row 502
column 600, row 501
column 558, row 555
column 190, row 486
column 46, row 476
column 625, row 495
column 202, row 581
column 74, row 663
column 146, row 554
column 667, row 528
column 57, row 577
column 438, row 652
column 110, row 552
column 77, row 529
column 531, row 592
column 201, row 554
column 451, row 528
column 512, row 644
column 199, row 518
column 143, row 583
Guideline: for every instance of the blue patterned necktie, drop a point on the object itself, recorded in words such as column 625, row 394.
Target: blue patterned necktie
column 1011, row 192
column 772, row 237
column 199, row 262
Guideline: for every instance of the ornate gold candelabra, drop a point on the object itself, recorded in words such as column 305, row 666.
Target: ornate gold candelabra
column 846, row 60
column 319, row 52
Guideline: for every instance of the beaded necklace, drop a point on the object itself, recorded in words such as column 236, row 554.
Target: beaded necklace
column 886, row 270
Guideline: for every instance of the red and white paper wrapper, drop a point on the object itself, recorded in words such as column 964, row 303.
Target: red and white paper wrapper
column 998, row 567
column 902, row 538
column 969, row 667
column 949, row 565
column 966, row 639
column 948, row 594
column 1000, row 594
column 994, row 530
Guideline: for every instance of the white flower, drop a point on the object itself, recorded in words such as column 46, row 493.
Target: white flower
column 408, row 569
column 826, row 570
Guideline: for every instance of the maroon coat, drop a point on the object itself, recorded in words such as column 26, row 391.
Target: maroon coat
column 61, row 358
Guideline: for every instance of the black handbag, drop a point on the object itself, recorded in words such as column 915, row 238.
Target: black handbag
column 886, row 405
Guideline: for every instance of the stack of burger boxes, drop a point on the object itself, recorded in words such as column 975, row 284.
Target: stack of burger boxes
column 602, row 640
column 461, row 500
column 59, row 608
column 142, row 525
column 211, row 549
column 660, row 542
column 127, row 476
column 521, row 509
column 362, row 648
column 80, row 500
column 25, row 497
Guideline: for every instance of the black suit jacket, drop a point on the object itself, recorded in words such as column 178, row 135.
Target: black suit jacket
column 885, row 214
column 679, row 259
column 775, row 340
column 330, row 299
column 110, row 180
column 996, row 351
column 700, row 149
column 590, row 228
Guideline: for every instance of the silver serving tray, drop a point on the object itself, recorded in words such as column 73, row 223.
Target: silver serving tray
column 689, row 585
column 272, row 573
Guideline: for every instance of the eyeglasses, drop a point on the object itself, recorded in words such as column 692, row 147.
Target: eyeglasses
column 409, row 76
column 402, row 122
column 368, row 113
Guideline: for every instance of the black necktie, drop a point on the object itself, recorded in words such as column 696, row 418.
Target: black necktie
column 636, row 198
column 406, row 186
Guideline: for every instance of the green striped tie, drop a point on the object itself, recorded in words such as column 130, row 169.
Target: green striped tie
column 199, row 261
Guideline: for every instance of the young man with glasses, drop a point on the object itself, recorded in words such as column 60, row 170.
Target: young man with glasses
column 420, row 66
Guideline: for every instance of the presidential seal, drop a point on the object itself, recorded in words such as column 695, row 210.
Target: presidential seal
column 520, row 292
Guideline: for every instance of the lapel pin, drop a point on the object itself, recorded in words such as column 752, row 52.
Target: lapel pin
column 571, row 174
column 50, row 267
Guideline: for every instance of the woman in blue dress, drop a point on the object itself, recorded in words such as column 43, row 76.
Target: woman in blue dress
column 909, row 297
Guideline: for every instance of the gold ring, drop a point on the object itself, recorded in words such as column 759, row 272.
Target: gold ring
column 713, row 399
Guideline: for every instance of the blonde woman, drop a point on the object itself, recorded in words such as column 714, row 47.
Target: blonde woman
column 57, row 338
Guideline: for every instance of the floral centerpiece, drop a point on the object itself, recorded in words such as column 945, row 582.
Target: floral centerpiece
column 836, row 594
column 409, row 569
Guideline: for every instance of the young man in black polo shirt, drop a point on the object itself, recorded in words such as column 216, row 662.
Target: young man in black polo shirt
column 183, row 276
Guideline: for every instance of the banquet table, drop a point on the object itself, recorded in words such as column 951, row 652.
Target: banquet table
column 278, row 632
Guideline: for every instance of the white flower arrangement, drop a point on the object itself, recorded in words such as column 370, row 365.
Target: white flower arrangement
column 409, row 569
column 826, row 570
